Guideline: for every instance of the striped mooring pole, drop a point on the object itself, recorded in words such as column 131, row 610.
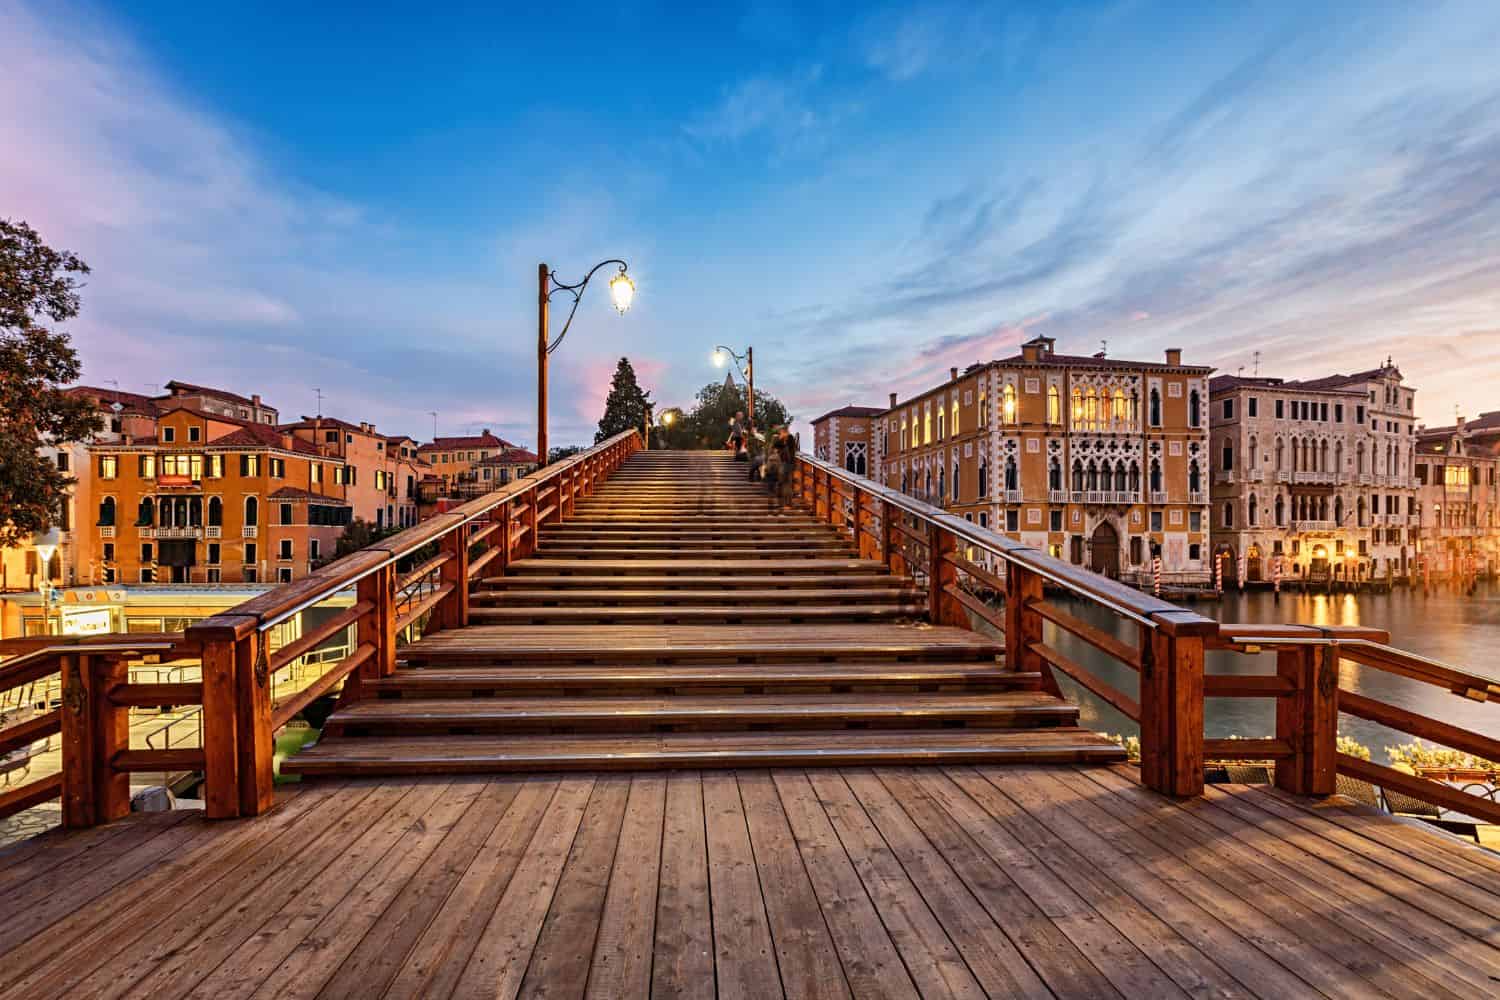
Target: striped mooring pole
column 1219, row 572
column 1156, row 575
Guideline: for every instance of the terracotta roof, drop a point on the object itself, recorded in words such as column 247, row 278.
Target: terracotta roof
column 1335, row 381
column 485, row 440
column 1224, row 383
column 512, row 456
column 850, row 411
column 1093, row 361
column 203, row 390
column 265, row 436
column 132, row 402
column 295, row 493
column 327, row 423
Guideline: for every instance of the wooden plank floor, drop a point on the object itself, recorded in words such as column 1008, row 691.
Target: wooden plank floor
column 1033, row 881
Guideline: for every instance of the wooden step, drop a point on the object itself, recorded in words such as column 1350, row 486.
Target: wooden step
column 632, row 678
column 499, row 754
column 411, row 716
column 822, row 594
column 787, row 611
column 671, row 567
column 563, row 551
column 698, row 542
column 708, row 582
column 531, row 644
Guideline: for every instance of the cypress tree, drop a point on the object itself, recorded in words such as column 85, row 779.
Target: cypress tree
column 626, row 407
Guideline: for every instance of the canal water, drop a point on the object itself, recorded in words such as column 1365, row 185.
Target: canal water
column 1463, row 631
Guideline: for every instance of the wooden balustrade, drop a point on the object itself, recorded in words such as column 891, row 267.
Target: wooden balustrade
column 418, row 578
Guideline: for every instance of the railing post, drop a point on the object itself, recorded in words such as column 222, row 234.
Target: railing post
column 93, row 731
column 1172, row 703
column 942, row 607
column 1308, row 719
column 888, row 535
column 453, row 610
column 256, row 743
column 1023, row 625
column 219, row 640
column 378, row 625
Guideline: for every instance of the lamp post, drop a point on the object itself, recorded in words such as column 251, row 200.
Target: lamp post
column 722, row 354
column 45, row 544
column 621, row 291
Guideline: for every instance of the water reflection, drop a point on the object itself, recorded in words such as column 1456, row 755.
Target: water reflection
column 1457, row 629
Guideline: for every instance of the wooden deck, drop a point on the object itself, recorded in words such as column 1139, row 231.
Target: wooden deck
column 1034, row 881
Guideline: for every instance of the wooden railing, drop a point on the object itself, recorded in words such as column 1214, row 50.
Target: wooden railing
column 415, row 581
column 974, row 577
column 91, row 718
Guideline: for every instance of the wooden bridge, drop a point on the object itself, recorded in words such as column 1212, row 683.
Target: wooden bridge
column 622, row 729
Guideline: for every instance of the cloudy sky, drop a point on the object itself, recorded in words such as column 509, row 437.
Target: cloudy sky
column 289, row 197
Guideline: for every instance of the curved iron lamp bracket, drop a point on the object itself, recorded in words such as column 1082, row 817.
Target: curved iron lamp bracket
column 577, row 292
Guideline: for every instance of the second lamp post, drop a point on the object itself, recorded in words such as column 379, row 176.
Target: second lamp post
column 722, row 353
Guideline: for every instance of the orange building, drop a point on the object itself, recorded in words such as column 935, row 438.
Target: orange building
column 847, row 436
column 376, row 477
column 1100, row 461
column 209, row 499
column 455, row 460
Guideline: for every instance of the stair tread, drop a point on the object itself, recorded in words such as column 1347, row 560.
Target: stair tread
column 748, row 581
column 736, row 673
column 703, row 597
column 666, row 641
column 667, row 707
column 907, row 609
column 414, row 754
column 752, row 566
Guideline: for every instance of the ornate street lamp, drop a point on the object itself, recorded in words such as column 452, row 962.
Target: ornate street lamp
column 722, row 355
column 621, row 293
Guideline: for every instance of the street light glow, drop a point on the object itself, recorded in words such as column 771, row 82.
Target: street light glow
column 667, row 418
column 622, row 291
column 719, row 359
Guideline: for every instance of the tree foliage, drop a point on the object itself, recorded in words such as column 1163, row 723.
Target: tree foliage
column 564, row 451
column 37, row 284
column 626, row 406
column 717, row 402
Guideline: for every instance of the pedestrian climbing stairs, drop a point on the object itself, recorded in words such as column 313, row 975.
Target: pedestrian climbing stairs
column 677, row 620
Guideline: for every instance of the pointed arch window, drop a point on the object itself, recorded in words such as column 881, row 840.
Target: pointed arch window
column 1195, row 417
column 1054, row 405
column 1254, row 511
column 1156, row 475
column 1077, row 476
column 1054, row 474
column 1119, row 477
column 1135, row 478
column 1008, row 404
column 1195, row 477
column 984, row 478
column 1155, row 404
column 1012, row 476
column 1280, row 511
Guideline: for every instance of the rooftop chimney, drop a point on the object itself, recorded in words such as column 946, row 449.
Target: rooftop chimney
column 254, row 398
column 893, row 400
column 953, row 373
column 366, row 426
column 286, row 442
column 1174, row 356
column 485, row 432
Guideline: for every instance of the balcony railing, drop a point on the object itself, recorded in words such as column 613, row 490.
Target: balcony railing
column 1283, row 476
column 191, row 532
column 1057, row 496
column 1314, row 525
column 1255, row 475
column 1316, row 476
column 249, row 531
column 1010, row 496
column 1198, row 499
column 1158, row 496
column 106, row 531
column 1223, row 476
column 213, row 531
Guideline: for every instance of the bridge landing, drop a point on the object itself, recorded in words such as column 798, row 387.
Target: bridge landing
column 1007, row 881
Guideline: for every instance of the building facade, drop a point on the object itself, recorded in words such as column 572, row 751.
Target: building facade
column 1457, row 472
column 846, row 436
column 1100, row 461
column 453, row 459
column 208, row 500
column 1316, row 477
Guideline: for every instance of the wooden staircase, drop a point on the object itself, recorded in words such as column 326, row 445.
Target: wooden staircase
column 675, row 620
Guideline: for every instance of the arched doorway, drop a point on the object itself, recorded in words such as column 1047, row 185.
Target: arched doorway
column 1253, row 569
column 1104, row 550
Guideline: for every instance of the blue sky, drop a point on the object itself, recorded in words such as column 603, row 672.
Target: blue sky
column 278, row 197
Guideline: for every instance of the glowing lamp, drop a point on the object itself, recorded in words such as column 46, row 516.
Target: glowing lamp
column 719, row 359
column 622, row 291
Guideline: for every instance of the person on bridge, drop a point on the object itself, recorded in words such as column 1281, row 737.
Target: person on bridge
column 737, row 435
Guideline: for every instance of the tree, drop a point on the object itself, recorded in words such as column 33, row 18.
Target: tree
column 717, row 402
column 626, row 407
column 36, row 283
column 560, row 453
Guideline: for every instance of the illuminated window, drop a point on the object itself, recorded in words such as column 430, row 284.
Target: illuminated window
column 984, row 409
column 1054, row 405
column 953, row 421
column 927, row 427
column 1077, row 407
column 1008, row 404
